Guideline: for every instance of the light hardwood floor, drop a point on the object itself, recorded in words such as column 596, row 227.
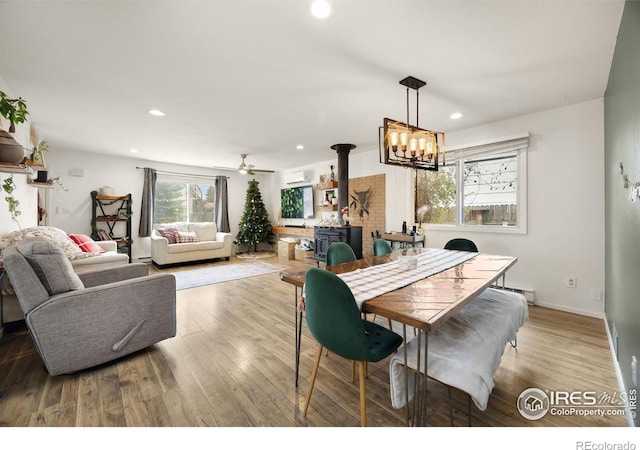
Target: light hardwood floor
column 232, row 364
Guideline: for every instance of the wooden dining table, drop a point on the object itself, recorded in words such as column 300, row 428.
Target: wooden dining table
column 424, row 304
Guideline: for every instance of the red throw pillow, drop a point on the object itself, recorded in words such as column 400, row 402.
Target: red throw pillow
column 169, row 233
column 86, row 244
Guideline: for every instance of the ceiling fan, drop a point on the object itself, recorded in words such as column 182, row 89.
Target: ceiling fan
column 244, row 168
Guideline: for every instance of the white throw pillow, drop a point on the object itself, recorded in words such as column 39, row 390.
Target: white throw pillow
column 206, row 231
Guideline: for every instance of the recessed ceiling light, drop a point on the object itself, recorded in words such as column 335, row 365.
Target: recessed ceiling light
column 156, row 112
column 320, row 9
column 300, row 147
column 456, row 115
column 133, row 150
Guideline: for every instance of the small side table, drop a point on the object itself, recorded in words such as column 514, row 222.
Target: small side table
column 404, row 239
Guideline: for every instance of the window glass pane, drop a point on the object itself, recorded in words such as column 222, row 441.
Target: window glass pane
column 170, row 204
column 201, row 203
column 183, row 201
column 436, row 195
column 490, row 193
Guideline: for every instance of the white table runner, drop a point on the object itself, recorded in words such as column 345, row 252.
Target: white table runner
column 373, row 281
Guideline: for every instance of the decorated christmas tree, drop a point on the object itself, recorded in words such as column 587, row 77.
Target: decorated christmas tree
column 255, row 227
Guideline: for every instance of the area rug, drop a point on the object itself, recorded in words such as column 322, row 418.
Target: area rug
column 186, row 279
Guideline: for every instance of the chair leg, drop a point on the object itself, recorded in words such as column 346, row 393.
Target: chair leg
column 313, row 379
column 363, row 396
column 353, row 371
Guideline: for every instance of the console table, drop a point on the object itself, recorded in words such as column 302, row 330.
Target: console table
column 293, row 231
column 404, row 239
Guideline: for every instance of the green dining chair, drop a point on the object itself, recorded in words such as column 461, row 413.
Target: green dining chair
column 334, row 320
column 461, row 244
column 381, row 247
column 340, row 252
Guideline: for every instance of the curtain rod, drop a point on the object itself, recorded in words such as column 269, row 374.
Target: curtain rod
column 185, row 174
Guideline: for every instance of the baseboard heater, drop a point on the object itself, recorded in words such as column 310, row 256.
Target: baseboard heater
column 529, row 294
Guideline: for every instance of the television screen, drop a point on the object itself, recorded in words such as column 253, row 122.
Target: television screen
column 297, row 202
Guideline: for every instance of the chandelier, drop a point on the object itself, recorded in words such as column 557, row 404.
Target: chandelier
column 402, row 144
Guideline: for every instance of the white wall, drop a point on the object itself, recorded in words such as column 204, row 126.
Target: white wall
column 71, row 210
column 565, row 203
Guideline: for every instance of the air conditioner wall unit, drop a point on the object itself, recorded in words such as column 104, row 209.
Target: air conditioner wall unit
column 296, row 177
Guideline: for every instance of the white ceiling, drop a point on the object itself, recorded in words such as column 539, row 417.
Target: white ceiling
column 260, row 77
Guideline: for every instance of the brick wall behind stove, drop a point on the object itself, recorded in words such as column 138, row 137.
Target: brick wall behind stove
column 376, row 218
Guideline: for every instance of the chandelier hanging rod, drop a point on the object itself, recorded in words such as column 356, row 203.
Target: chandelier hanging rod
column 413, row 83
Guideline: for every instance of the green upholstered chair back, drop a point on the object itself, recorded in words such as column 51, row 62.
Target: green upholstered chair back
column 333, row 317
column 340, row 252
column 335, row 322
column 381, row 247
column 461, row 244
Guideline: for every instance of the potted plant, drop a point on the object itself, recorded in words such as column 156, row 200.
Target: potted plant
column 8, row 186
column 37, row 155
column 15, row 111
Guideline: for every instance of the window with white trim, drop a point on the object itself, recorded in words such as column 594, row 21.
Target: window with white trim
column 182, row 199
column 482, row 187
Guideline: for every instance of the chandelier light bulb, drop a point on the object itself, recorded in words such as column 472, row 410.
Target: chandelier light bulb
column 403, row 141
column 413, row 146
column 422, row 145
column 393, row 141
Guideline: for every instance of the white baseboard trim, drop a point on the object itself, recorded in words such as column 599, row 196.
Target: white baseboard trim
column 618, row 372
column 582, row 312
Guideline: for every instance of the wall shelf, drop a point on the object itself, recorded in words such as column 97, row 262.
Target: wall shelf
column 327, row 185
column 40, row 184
column 327, row 188
column 14, row 168
column 327, row 208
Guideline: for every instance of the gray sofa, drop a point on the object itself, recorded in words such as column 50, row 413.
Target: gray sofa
column 78, row 321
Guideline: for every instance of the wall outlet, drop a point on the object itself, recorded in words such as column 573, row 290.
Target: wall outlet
column 571, row 282
column 596, row 294
column 634, row 370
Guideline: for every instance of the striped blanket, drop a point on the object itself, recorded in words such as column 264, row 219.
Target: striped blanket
column 373, row 281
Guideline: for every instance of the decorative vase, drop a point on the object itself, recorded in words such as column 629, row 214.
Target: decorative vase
column 10, row 150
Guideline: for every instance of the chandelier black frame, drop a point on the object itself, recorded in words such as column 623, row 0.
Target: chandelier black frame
column 402, row 144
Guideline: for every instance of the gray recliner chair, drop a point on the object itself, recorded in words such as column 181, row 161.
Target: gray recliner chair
column 82, row 320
